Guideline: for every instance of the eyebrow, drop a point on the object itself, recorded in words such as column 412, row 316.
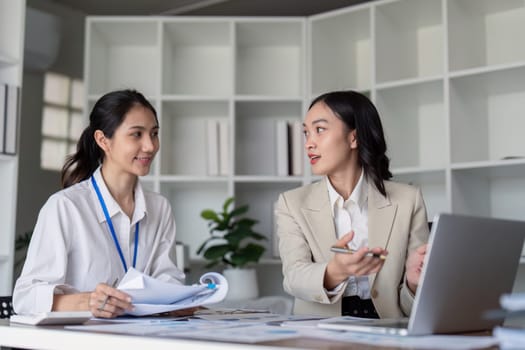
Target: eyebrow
column 140, row 127
column 317, row 121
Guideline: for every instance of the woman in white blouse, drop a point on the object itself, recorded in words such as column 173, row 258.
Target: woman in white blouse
column 103, row 222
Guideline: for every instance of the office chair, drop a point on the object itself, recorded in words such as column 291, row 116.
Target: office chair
column 6, row 306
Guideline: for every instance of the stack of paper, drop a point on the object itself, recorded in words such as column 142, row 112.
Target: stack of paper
column 151, row 296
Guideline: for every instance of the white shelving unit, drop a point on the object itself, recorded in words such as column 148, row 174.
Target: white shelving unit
column 12, row 20
column 447, row 76
column 248, row 72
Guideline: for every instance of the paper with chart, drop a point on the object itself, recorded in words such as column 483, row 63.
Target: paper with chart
column 152, row 296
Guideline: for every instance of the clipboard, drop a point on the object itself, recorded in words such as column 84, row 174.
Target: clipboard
column 52, row 318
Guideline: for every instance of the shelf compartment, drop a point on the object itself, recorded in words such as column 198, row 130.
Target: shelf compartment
column 434, row 189
column 255, row 134
column 268, row 179
column 198, row 58
column 184, row 139
column 11, row 41
column 341, row 52
column 483, row 32
column 11, row 28
column 486, row 116
column 409, row 40
column 489, row 191
column 123, row 54
column 414, row 122
column 262, row 209
column 187, row 201
column 8, row 174
column 270, row 57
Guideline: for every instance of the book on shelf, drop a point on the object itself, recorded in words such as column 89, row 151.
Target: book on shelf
column 289, row 148
column 3, row 104
column 218, row 157
column 281, row 134
column 9, row 118
column 213, row 147
column 296, row 142
column 224, row 158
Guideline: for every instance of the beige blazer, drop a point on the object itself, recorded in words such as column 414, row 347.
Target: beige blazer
column 306, row 230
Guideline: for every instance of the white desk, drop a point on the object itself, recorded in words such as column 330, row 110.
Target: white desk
column 55, row 337
column 29, row 337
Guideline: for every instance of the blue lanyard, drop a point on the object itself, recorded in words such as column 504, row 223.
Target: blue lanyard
column 112, row 229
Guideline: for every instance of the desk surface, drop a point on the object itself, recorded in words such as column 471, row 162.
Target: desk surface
column 56, row 337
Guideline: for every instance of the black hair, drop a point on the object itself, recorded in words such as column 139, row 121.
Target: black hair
column 359, row 114
column 107, row 115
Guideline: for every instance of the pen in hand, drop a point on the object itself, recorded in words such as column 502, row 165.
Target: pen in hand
column 105, row 301
column 351, row 251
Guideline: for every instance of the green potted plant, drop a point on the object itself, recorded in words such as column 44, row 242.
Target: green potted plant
column 232, row 243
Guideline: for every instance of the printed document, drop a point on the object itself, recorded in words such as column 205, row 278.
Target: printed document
column 151, row 296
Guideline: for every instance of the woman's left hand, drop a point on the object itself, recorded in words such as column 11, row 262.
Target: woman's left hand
column 414, row 266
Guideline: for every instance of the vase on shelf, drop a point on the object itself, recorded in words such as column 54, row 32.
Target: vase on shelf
column 242, row 283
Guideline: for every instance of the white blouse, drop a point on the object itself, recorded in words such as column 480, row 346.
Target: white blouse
column 72, row 249
column 348, row 215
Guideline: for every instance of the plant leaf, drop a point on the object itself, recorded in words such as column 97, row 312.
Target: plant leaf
column 240, row 210
column 251, row 253
column 228, row 230
column 23, row 240
column 209, row 214
column 217, row 251
column 247, row 222
column 257, row 236
column 226, row 204
column 203, row 245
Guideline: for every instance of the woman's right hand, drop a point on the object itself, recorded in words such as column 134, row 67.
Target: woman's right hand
column 342, row 265
column 108, row 302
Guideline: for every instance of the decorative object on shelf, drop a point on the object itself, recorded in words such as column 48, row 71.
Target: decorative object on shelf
column 231, row 243
column 230, row 231
column 243, row 284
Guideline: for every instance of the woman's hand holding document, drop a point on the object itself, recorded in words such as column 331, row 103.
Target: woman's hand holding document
column 152, row 296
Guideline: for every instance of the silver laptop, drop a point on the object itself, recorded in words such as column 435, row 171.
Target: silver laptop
column 470, row 263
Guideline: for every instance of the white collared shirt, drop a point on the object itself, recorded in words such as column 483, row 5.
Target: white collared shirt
column 349, row 215
column 72, row 250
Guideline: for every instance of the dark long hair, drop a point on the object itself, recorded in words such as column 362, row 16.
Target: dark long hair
column 107, row 115
column 359, row 114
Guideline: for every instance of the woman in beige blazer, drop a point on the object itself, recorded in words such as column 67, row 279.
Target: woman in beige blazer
column 352, row 206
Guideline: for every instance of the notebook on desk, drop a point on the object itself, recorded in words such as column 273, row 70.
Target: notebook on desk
column 469, row 264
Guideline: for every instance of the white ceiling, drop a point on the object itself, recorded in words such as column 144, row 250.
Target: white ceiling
column 206, row 7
